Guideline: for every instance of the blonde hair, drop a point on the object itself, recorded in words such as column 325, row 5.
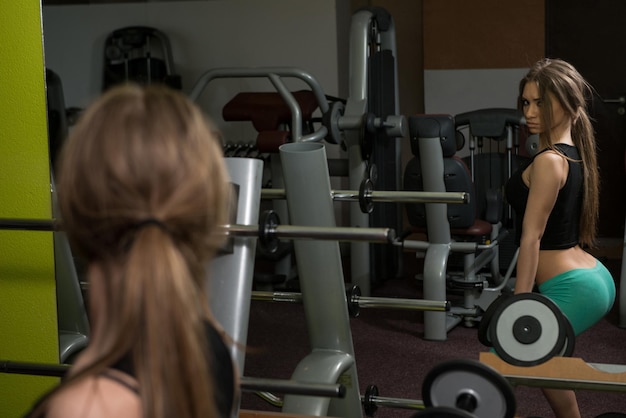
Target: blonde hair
column 142, row 190
column 567, row 85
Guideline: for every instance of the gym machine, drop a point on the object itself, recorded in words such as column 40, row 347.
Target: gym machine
column 371, row 137
column 367, row 126
column 473, row 230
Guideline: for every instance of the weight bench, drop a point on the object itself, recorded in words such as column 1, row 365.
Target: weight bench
column 270, row 115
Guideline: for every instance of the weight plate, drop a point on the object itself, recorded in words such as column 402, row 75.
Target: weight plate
column 365, row 192
column 527, row 329
column 483, row 326
column 352, row 297
column 268, row 221
column 570, row 339
column 443, row 412
column 369, row 405
column 471, row 386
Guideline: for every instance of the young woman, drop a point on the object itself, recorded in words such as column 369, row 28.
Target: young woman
column 142, row 191
column 555, row 198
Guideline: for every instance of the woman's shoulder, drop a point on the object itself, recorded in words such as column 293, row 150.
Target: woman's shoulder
column 95, row 397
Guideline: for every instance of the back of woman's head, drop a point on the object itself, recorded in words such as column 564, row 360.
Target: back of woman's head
column 140, row 153
column 142, row 192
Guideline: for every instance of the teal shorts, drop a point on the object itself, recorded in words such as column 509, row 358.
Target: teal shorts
column 584, row 295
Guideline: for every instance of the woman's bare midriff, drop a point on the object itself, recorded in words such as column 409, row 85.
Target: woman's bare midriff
column 555, row 262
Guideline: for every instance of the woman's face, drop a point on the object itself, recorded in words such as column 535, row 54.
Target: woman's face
column 531, row 106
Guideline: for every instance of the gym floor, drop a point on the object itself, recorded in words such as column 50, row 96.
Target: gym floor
column 391, row 353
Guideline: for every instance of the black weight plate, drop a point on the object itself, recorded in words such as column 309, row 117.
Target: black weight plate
column 446, row 384
column 369, row 406
column 268, row 221
column 365, row 192
column 570, row 339
column 443, row 412
column 505, row 333
column 483, row 326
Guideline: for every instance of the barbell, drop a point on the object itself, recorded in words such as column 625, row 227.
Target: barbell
column 356, row 301
column 247, row 384
column 269, row 231
column 366, row 196
column 454, row 388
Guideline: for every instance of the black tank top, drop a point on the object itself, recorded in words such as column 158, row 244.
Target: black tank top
column 563, row 226
column 221, row 366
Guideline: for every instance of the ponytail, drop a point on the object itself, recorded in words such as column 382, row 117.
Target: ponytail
column 161, row 289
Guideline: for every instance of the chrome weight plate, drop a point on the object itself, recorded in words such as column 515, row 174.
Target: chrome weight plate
column 528, row 329
column 470, row 386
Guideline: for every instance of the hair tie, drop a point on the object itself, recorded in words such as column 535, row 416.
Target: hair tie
column 151, row 222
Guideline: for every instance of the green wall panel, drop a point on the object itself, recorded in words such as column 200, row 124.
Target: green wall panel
column 28, row 321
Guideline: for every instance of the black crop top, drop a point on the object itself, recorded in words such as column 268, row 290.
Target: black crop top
column 221, row 365
column 563, row 226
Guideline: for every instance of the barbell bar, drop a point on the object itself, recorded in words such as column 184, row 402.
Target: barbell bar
column 356, row 301
column 366, row 196
column 371, row 401
column 247, row 384
column 383, row 196
column 269, row 229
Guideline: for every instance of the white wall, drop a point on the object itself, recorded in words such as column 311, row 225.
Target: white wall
column 458, row 91
column 204, row 35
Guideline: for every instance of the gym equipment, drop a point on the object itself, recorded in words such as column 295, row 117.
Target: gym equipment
column 491, row 165
column 57, row 119
column 268, row 230
column 373, row 149
column 527, row 329
column 331, row 358
column 367, row 126
column 451, row 228
column 454, row 388
column 71, row 313
column 469, row 386
column 229, row 280
column 356, row 301
column 248, row 384
column 130, row 55
column 562, row 373
column 366, row 195
column 372, row 401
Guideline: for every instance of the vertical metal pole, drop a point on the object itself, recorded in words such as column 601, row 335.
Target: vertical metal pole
column 356, row 106
column 230, row 278
column 436, row 259
column 310, row 203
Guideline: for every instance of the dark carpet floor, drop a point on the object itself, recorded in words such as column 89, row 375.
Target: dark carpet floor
column 391, row 353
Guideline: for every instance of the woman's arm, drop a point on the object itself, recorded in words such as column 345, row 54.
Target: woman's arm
column 547, row 175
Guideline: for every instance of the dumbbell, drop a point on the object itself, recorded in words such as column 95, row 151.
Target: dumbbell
column 466, row 388
column 526, row 329
column 455, row 388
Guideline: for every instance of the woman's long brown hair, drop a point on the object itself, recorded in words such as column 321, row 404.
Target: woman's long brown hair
column 568, row 86
column 142, row 154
